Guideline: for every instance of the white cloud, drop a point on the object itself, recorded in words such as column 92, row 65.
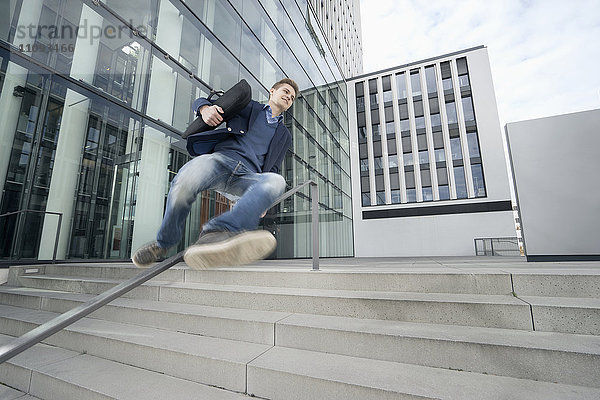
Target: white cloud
column 544, row 54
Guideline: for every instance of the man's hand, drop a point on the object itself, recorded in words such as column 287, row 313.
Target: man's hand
column 211, row 114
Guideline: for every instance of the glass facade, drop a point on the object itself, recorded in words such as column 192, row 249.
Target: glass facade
column 436, row 155
column 95, row 95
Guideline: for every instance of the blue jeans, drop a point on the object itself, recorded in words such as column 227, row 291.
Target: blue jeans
column 257, row 191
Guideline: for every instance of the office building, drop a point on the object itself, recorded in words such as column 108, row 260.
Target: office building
column 94, row 97
column 428, row 162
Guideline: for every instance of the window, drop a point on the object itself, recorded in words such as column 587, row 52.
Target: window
column 456, row 149
column 380, row 198
column 420, row 122
column 373, row 98
column 444, row 192
column 375, row 130
column 424, row 157
column 401, row 86
column 378, row 162
column 467, row 104
column 442, row 176
column 440, row 155
column 430, row 78
column 364, row 165
column 366, row 199
column 411, row 195
column 451, row 113
column 396, row 198
column 362, row 134
column 415, row 82
column 461, row 184
column 373, row 85
column 360, row 103
column 390, row 128
column 463, row 81
column 393, row 161
column 387, row 97
column 404, row 125
column 408, row 159
column 478, row 183
column 447, row 84
column 427, row 194
column 473, row 143
column 436, row 120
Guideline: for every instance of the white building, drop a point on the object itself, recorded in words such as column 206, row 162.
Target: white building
column 555, row 164
column 428, row 165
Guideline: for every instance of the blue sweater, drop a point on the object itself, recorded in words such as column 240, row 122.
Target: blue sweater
column 252, row 147
column 205, row 142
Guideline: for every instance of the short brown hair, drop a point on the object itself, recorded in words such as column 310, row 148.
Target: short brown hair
column 290, row 82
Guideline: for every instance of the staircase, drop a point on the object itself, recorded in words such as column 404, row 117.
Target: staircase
column 358, row 329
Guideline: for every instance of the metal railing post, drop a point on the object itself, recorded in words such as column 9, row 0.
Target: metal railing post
column 314, row 192
column 56, row 240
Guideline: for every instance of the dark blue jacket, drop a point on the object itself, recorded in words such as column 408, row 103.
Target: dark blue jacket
column 204, row 142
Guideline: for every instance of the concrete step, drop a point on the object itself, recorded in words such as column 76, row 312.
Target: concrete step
column 116, row 271
column 551, row 314
column 423, row 282
column 551, row 357
column 454, row 309
column 211, row 361
column 567, row 282
column 283, row 373
column 48, row 372
column 565, row 314
column 429, row 282
column 253, row 326
column 7, row 393
column 554, row 357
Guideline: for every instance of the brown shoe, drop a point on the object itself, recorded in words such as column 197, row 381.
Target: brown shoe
column 224, row 248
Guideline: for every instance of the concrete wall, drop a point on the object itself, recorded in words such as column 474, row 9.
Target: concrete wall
column 555, row 165
column 445, row 234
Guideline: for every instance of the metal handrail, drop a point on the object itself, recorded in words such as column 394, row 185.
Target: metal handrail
column 60, row 215
column 55, row 325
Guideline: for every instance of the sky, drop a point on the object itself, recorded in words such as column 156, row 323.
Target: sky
column 544, row 54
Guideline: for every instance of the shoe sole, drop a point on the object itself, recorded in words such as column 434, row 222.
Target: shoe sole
column 139, row 265
column 241, row 249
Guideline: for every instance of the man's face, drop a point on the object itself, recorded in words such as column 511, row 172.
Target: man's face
column 283, row 96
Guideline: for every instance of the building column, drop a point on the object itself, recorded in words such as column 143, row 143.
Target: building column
column 153, row 180
column 71, row 140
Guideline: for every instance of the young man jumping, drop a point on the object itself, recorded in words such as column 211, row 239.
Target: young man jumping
column 246, row 164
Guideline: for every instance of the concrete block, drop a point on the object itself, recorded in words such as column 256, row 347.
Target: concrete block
column 7, row 393
column 290, row 374
column 82, row 285
column 432, row 282
column 564, row 314
column 558, row 284
column 88, row 377
column 544, row 356
column 116, row 271
column 454, row 309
